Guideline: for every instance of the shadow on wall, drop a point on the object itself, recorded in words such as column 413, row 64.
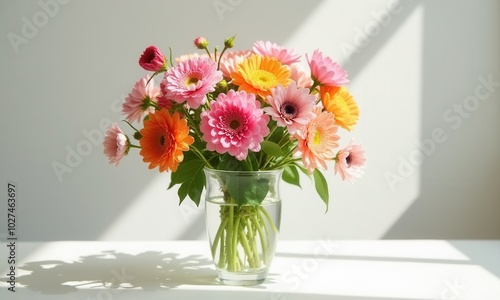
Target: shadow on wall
column 95, row 194
column 460, row 167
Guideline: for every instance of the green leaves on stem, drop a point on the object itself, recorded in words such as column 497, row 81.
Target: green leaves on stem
column 191, row 178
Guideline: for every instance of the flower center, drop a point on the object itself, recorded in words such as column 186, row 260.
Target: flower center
column 164, row 141
column 192, row 81
column 234, row 124
column 317, row 137
column 289, row 111
column 263, row 79
column 348, row 160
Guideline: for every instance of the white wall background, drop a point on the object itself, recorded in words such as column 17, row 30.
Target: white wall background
column 411, row 65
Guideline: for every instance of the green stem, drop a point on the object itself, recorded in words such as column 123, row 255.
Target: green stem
column 201, row 156
column 220, row 57
column 262, row 237
column 218, row 235
column 229, row 239
column 269, row 219
column 234, row 244
column 253, row 243
column 246, row 248
column 222, row 252
column 130, row 125
column 208, row 52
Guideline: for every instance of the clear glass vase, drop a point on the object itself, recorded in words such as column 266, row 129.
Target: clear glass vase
column 243, row 214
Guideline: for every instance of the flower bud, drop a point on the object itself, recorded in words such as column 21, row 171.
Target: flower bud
column 152, row 60
column 229, row 43
column 137, row 135
column 201, row 43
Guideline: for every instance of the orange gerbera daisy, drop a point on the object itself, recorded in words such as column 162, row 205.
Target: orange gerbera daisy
column 338, row 100
column 258, row 75
column 164, row 138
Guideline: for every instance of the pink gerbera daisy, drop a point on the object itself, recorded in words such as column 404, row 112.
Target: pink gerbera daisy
column 116, row 144
column 317, row 142
column 282, row 54
column 324, row 71
column 137, row 103
column 350, row 162
column 291, row 107
column 234, row 124
column 230, row 60
column 191, row 80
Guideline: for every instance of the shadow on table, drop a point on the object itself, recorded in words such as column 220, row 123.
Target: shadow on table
column 486, row 256
column 149, row 271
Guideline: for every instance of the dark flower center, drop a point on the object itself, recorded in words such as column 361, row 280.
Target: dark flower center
column 348, row 160
column 289, row 111
column 234, row 124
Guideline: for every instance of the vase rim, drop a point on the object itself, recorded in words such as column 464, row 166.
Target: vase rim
column 244, row 171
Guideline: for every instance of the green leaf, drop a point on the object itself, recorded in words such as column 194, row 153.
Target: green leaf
column 192, row 180
column 271, row 148
column 253, row 161
column 321, row 187
column 304, row 170
column 291, row 175
column 248, row 190
column 230, row 163
column 185, row 171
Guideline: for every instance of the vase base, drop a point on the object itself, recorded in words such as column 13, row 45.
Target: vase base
column 241, row 278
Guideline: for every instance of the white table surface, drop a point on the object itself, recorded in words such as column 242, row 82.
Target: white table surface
column 322, row 269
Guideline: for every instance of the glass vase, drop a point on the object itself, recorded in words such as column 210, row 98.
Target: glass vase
column 242, row 214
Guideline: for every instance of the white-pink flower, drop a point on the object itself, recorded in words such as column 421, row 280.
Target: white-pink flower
column 116, row 144
column 191, row 80
column 234, row 124
column 350, row 162
column 325, row 71
column 230, row 61
column 137, row 103
column 300, row 76
column 282, row 54
column 291, row 107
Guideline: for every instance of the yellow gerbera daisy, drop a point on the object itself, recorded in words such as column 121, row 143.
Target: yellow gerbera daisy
column 259, row 74
column 339, row 101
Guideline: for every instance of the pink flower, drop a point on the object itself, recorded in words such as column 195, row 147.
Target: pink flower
column 116, row 144
column 201, row 43
column 230, row 61
column 317, row 142
column 291, row 107
column 283, row 55
column 138, row 101
column 298, row 75
column 325, row 71
column 234, row 124
column 191, row 80
column 350, row 162
column 152, row 59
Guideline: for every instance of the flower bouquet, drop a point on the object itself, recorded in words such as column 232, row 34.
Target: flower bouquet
column 236, row 123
